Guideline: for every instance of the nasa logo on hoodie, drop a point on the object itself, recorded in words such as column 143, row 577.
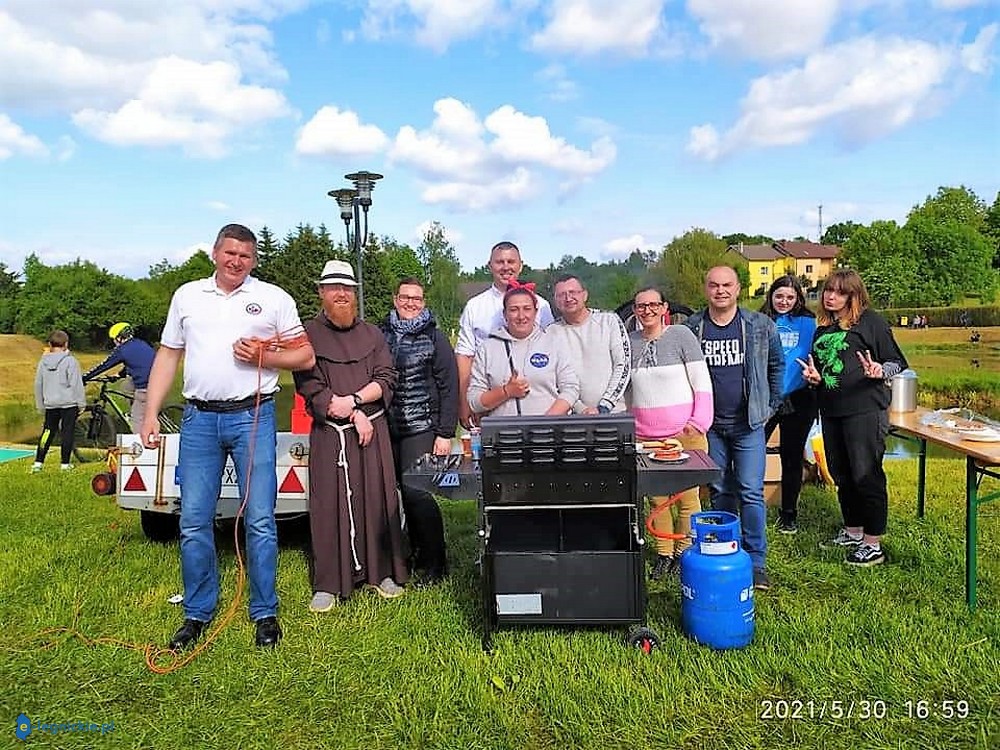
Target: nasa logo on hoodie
column 539, row 360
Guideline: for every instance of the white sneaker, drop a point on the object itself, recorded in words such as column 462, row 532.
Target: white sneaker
column 323, row 601
column 66, row 467
column 389, row 589
column 36, row 467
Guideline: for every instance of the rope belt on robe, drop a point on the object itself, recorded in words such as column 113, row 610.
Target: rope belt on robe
column 342, row 463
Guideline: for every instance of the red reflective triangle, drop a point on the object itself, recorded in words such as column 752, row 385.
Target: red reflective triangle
column 291, row 483
column 135, row 483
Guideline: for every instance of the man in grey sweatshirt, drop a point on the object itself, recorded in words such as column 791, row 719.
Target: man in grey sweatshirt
column 59, row 395
column 598, row 348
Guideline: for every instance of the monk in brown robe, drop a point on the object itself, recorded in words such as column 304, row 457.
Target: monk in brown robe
column 354, row 508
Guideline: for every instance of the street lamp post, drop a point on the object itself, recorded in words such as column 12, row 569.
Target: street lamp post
column 354, row 202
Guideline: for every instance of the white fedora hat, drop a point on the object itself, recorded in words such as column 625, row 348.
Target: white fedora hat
column 337, row 272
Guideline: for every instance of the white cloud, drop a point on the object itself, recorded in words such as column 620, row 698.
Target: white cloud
column 13, row 140
column 560, row 87
column 596, row 126
column 438, row 22
column 622, row 247
column 522, row 138
column 765, row 29
column 194, row 105
column 511, row 189
column 128, row 64
column 218, row 205
column 471, row 164
column 978, row 57
column 860, row 89
column 335, row 132
column 594, row 26
column 452, row 236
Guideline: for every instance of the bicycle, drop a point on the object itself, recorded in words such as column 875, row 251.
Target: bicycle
column 101, row 420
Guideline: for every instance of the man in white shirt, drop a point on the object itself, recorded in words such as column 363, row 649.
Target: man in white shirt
column 234, row 333
column 483, row 314
column 598, row 347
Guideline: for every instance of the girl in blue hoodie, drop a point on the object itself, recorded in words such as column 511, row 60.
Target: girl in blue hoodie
column 785, row 304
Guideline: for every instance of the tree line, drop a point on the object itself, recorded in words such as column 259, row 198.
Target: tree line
column 948, row 249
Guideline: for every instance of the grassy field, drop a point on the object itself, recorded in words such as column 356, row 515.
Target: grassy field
column 953, row 371
column 411, row 673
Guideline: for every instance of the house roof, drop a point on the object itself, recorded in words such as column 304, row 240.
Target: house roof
column 804, row 250
column 757, row 252
column 470, row 289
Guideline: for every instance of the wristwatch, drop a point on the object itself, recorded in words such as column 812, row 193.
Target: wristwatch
column 357, row 400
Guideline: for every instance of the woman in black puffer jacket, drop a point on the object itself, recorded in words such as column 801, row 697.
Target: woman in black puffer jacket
column 422, row 415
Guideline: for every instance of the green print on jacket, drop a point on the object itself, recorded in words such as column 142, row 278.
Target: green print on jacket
column 828, row 348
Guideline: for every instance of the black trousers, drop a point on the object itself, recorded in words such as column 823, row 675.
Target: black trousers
column 855, row 446
column 796, row 417
column 62, row 421
column 423, row 516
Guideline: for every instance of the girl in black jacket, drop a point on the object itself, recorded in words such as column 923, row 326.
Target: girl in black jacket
column 853, row 359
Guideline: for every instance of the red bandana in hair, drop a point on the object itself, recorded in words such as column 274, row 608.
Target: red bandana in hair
column 517, row 286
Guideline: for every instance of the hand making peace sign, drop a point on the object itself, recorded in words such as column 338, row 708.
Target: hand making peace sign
column 872, row 369
column 809, row 371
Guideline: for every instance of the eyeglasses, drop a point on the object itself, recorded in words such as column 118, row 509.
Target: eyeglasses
column 569, row 293
column 408, row 298
column 643, row 306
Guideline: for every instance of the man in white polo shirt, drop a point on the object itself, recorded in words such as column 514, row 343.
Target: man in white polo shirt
column 233, row 332
column 483, row 314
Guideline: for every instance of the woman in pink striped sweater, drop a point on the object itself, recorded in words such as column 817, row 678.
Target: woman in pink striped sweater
column 670, row 396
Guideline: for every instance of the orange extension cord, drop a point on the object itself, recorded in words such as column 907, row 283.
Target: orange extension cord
column 662, row 507
column 163, row 660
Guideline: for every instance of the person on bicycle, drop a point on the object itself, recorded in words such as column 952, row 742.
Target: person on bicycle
column 137, row 356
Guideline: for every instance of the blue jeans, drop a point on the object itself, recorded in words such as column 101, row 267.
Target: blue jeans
column 740, row 452
column 206, row 440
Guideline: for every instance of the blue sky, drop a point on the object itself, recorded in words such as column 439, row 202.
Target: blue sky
column 131, row 130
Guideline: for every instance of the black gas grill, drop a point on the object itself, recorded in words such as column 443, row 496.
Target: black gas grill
column 561, row 525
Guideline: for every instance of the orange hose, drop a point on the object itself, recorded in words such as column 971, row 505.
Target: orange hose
column 657, row 510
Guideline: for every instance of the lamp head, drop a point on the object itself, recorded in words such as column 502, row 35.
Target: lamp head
column 345, row 199
column 364, row 183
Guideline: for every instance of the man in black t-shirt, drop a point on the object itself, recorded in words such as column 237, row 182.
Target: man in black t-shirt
column 747, row 365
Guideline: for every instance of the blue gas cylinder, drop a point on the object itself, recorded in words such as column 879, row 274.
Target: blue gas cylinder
column 717, row 583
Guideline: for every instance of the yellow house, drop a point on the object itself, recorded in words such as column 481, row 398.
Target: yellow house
column 766, row 263
column 802, row 259
column 812, row 261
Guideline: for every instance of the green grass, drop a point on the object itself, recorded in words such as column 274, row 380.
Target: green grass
column 411, row 673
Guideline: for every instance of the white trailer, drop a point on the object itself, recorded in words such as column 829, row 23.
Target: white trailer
column 146, row 480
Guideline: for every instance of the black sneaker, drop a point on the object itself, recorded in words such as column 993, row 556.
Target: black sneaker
column 786, row 526
column 865, row 556
column 760, row 580
column 843, row 539
column 661, row 567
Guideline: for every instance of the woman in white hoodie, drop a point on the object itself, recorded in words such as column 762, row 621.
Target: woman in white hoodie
column 518, row 369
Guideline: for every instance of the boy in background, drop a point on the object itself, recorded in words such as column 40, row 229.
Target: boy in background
column 59, row 396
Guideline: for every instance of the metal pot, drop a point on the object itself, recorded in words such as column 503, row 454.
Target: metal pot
column 904, row 392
